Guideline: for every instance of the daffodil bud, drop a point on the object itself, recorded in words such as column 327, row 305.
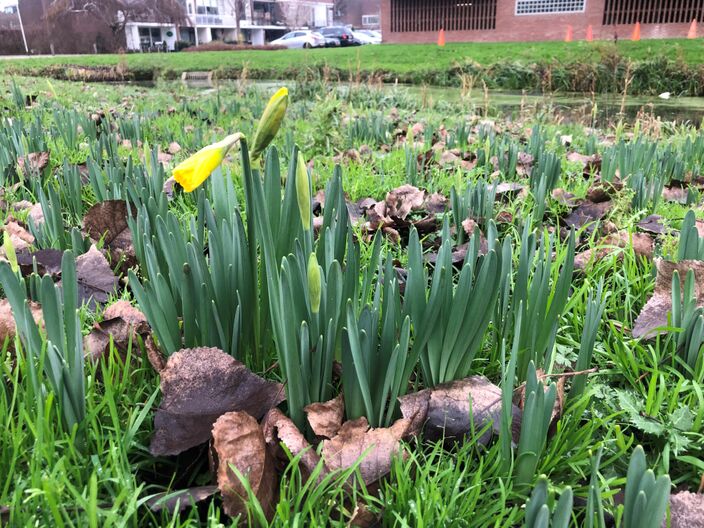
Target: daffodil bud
column 270, row 122
column 303, row 191
column 10, row 254
column 409, row 136
column 314, row 283
column 195, row 170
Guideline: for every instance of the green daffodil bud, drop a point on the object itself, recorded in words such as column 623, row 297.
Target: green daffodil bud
column 314, row 283
column 270, row 122
column 10, row 254
column 303, row 191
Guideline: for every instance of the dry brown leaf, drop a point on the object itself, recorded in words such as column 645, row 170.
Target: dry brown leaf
column 642, row 244
column 603, row 191
column 325, row 418
column 280, row 429
column 19, row 236
column 239, row 443
column 121, row 321
column 48, row 261
column 96, row 281
column 652, row 224
column 34, row 162
column 686, row 510
column 174, row 148
column 654, row 313
column 445, row 410
column 401, row 201
column 435, row 203
column 363, row 517
column 586, row 213
column 564, row 197
column 108, row 221
column 675, row 194
column 181, row 500
column 8, row 328
column 199, row 385
column 355, row 439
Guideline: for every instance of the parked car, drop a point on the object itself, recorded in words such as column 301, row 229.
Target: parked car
column 367, row 37
column 341, row 35
column 301, row 38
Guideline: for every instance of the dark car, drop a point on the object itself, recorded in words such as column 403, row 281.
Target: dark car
column 339, row 36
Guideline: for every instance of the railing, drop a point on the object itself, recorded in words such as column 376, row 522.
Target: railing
column 215, row 20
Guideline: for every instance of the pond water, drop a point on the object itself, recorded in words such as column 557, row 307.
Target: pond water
column 586, row 109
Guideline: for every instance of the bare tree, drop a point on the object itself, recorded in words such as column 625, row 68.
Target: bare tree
column 116, row 14
column 237, row 8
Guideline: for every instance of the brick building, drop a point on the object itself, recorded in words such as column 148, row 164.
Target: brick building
column 363, row 14
column 526, row 20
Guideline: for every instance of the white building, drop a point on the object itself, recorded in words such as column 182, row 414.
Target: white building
column 260, row 22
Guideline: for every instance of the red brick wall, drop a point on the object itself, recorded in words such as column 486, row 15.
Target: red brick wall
column 510, row 27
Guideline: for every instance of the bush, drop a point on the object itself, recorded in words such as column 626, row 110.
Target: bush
column 218, row 45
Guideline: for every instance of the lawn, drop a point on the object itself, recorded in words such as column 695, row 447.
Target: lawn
column 502, row 65
column 370, row 309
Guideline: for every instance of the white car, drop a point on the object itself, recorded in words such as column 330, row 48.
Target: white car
column 301, row 38
column 367, row 36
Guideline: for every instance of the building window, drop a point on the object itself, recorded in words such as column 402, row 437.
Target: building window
column 536, row 7
column 370, row 20
column 450, row 15
column 647, row 12
column 149, row 36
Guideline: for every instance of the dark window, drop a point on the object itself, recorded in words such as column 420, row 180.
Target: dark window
column 451, row 15
column 652, row 12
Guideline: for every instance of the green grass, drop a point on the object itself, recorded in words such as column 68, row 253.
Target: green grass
column 101, row 472
column 504, row 65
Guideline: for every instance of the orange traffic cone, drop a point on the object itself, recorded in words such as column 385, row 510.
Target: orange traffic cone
column 636, row 32
column 692, row 33
column 441, row 38
column 590, row 33
column 568, row 34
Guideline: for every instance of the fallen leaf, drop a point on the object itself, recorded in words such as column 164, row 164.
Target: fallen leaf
column 239, row 443
column 401, row 201
column 642, row 244
column 198, row 386
column 586, row 213
column 603, row 191
column 675, row 194
column 279, row 429
column 181, row 500
column 174, row 148
column 48, row 261
column 435, row 203
column 448, row 410
column 325, row 418
column 34, row 162
column 564, row 197
column 108, row 221
column 8, row 327
column 654, row 313
column 588, row 162
column 686, row 510
column 19, row 236
column 355, row 439
column 508, row 190
column 363, row 517
column 123, row 322
column 96, row 281
column 652, row 224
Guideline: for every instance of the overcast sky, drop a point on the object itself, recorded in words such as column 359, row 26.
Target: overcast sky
column 5, row 3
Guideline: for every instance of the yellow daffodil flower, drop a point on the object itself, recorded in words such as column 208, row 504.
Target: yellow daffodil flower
column 270, row 122
column 195, row 170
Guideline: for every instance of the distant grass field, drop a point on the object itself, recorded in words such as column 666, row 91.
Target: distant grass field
column 502, row 65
